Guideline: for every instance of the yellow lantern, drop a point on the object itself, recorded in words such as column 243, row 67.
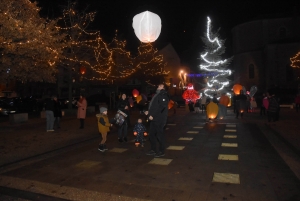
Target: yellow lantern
column 212, row 110
column 229, row 104
column 147, row 26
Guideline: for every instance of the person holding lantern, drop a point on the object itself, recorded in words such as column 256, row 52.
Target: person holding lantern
column 81, row 111
column 103, row 126
column 139, row 131
column 158, row 113
column 241, row 104
column 123, row 105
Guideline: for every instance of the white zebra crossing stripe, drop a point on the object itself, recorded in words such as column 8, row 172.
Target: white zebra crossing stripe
column 230, row 136
column 193, row 132
column 228, row 157
column 229, row 145
column 231, row 125
column 176, row 148
column 186, row 138
column 160, row 161
column 230, row 130
column 226, row 178
column 198, row 127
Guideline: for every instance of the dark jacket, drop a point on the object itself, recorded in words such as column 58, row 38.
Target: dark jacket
column 121, row 105
column 139, row 128
column 158, row 107
column 57, row 109
column 49, row 104
column 273, row 104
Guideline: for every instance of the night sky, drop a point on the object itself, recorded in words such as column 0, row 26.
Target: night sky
column 183, row 22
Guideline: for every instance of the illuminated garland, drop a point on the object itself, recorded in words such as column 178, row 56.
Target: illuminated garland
column 296, row 60
column 212, row 62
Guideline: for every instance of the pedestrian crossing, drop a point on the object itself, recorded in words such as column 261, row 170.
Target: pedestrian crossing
column 219, row 177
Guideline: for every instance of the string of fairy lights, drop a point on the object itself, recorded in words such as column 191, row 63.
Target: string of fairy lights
column 295, row 61
column 211, row 65
column 79, row 47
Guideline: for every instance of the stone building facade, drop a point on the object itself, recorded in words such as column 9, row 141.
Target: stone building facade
column 262, row 51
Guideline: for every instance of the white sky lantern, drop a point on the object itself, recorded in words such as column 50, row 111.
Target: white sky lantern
column 147, row 26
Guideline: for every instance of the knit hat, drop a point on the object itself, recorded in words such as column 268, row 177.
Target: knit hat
column 103, row 109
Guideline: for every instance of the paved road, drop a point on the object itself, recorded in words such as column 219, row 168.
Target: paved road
column 226, row 160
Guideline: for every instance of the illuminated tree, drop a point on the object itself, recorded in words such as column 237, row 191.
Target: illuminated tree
column 149, row 65
column 296, row 60
column 30, row 46
column 212, row 61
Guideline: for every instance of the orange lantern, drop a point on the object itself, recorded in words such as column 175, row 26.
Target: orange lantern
column 82, row 70
column 135, row 93
column 138, row 98
column 137, row 144
column 212, row 110
column 224, row 100
column 145, row 133
column 135, row 133
column 229, row 104
column 170, row 104
column 237, row 88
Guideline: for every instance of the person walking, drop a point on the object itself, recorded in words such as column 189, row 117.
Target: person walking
column 203, row 102
column 49, row 107
column 157, row 114
column 273, row 108
column 123, row 105
column 223, row 103
column 81, row 111
column 197, row 106
column 57, row 112
column 241, row 104
column 103, row 127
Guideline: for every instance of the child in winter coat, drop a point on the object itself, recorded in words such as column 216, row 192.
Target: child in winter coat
column 139, row 130
column 103, row 126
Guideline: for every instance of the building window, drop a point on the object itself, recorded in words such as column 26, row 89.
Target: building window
column 251, row 71
column 282, row 32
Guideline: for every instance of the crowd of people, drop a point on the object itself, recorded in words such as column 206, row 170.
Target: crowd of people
column 156, row 113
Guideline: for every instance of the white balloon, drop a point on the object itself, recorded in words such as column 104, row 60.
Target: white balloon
column 147, row 26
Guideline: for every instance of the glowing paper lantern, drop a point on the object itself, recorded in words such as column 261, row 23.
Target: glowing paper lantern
column 135, row 133
column 170, row 104
column 135, row 93
column 82, row 70
column 237, row 88
column 138, row 98
column 229, row 104
column 147, row 26
column 145, row 133
column 212, row 110
column 137, row 144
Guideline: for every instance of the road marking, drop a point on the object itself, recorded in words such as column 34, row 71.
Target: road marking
column 193, row 132
column 228, row 157
column 176, row 148
column 229, row 145
column 198, row 127
column 226, row 178
column 118, row 150
column 87, row 164
column 171, row 124
column 230, row 130
column 160, row 161
column 230, row 136
column 186, row 138
column 231, row 125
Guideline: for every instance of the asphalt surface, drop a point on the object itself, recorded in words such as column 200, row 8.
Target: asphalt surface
column 259, row 164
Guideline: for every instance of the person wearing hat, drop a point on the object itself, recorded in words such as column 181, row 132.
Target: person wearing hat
column 103, row 126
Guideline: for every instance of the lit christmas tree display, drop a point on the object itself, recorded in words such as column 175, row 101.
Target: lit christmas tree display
column 212, row 62
column 190, row 95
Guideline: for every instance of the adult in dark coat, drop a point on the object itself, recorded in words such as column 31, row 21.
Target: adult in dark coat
column 57, row 112
column 241, row 104
column 158, row 113
column 123, row 105
column 49, row 107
